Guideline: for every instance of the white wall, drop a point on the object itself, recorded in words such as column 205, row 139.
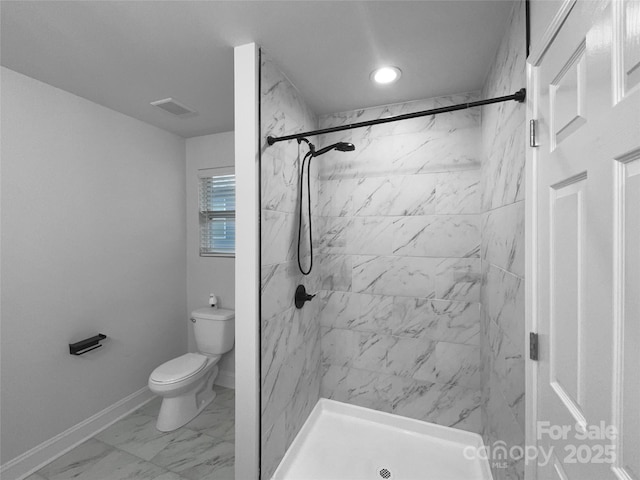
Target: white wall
column 207, row 274
column 93, row 240
column 246, row 128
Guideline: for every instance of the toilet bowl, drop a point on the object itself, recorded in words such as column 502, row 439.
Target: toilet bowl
column 186, row 382
column 186, row 385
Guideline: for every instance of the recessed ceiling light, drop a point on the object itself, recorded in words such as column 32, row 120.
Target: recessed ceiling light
column 385, row 75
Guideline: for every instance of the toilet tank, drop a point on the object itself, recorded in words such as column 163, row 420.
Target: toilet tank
column 213, row 329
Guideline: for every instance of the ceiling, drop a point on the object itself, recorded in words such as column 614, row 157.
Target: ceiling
column 125, row 54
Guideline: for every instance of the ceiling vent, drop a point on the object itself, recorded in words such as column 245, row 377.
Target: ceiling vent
column 174, row 108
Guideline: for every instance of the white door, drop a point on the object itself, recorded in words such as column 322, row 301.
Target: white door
column 587, row 88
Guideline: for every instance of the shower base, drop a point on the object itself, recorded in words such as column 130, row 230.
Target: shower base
column 345, row 442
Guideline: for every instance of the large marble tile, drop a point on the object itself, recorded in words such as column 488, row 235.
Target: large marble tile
column 332, row 235
column 504, row 304
column 449, row 405
column 137, row 434
column 273, row 447
column 508, row 365
column 502, row 426
column 458, row 279
column 283, row 334
column 277, row 286
column 119, row 465
column 410, row 154
column 438, row 123
column 188, row 451
column 306, row 397
column 169, row 476
column 335, row 271
column 96, row 460
column 219, row 464
column 442, row 404
column 438, row 320
column 279, row 179
column 437, row 236
column 456, row 322
column 217, row 421
column 458, row 192
column 35, row 476
column 336, row 197
column 395, row 195
column 338, row 309
column 76, row 461
column 281, row 102
column 370, row 236
column 503, row 238
column 279, row 385
column 377, row 352
column 279, row 237
column 407, row 276
column 455, row 364
column 225, row 397
column 504, row 172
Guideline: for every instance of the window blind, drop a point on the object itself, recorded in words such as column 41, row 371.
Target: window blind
column 218, row 214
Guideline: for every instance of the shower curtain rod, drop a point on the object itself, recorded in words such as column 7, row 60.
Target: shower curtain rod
column 519, row 96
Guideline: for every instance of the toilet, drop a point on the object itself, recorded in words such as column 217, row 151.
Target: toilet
column 186, row 382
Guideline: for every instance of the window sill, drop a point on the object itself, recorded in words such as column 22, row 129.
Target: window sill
column 228, row 255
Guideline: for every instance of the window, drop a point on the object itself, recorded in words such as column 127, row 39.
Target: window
column 217, row 212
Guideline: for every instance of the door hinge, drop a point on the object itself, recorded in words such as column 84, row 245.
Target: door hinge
column 533, row 346
column 532, row 133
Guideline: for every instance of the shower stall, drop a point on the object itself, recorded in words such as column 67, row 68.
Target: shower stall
column 415, row 241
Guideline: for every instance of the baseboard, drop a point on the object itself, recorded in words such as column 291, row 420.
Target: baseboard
column 226, row 379
column 39, row 456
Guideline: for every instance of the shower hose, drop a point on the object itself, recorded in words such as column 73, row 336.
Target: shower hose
column 308, row 156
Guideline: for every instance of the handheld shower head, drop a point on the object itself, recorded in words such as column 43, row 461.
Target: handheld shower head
column 345, row 147
column 340, row 146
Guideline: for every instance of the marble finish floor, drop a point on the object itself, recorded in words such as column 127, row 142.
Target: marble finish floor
column 132, row 448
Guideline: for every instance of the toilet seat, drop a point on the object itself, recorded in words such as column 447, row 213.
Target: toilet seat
column 179, row 369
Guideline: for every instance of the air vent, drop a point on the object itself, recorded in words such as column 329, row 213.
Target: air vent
column 175, row 108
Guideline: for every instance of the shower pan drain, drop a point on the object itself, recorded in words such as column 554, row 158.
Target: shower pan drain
column 384, row 473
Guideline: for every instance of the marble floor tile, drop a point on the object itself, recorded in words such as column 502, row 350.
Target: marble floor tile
column 216, row 421
column 132, row 448
column 119, row 465
column 137, row 434
column 190, row 449
column 76, row 461
column 169, row 476
column 225, row 397
column 35, row 476
column 218, row 466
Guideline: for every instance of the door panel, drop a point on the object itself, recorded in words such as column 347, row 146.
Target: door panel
column 588, row 236
column 628, row 43
column 566, row 362
column 568, row 97
column 626, row 414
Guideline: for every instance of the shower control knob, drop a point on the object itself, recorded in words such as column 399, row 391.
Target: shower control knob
column 302, row 296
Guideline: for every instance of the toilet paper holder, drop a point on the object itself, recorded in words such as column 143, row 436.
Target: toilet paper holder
column 86, row 345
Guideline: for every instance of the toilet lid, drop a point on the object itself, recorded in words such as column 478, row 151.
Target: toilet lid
column 179, row 368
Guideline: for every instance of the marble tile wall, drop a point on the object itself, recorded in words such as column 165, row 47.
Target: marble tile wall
column 399, row 248
column 502, row 336
column 290, row 337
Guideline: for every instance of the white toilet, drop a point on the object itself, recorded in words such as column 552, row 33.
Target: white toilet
column 186, row 382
